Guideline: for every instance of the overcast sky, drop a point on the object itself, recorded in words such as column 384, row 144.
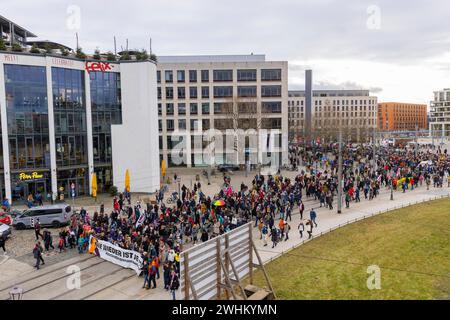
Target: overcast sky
column 400, row 50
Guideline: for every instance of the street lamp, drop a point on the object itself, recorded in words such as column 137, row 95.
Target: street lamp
column 392, row 191
column 339, row 205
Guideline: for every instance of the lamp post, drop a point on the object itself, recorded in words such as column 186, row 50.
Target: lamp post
column 339, row 205
column 392, row 190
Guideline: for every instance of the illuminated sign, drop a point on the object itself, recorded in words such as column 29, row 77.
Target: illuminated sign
column 34, row 175
column 98, row 66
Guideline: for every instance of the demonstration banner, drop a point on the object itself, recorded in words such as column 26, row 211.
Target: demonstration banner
column 115, row 254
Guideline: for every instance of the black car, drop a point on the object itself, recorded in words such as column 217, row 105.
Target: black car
column 227, row 167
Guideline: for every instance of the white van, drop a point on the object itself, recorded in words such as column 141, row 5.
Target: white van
column 55, row 215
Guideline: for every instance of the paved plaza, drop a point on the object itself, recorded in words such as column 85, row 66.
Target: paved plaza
column 103, row 280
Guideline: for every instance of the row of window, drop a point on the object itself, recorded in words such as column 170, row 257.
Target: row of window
column 333, row 115
column 335, row 108
column 199, row 142
column 335, row 102
column 221, row 124
column 221, row 108
column 329, row 122
column 220, row 75
column 220, row 92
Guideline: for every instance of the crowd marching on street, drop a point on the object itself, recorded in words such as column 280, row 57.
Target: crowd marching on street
column 160, row 231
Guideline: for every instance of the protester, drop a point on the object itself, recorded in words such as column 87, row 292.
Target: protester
column 2, row 245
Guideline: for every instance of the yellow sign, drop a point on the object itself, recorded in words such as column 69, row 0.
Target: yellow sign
column 34, row 175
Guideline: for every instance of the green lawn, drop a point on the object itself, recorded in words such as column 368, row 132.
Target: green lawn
column 410, row 245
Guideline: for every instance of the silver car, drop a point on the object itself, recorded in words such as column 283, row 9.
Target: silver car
column 55, row 215
column 5, row 230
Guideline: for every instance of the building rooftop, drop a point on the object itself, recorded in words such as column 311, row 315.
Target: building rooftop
column 42, row 43
column 6, row 25
column 212, row 58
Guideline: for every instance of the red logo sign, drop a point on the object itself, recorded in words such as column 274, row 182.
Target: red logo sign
column 98, row 66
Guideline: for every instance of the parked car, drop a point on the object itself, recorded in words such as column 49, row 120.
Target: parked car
column 227, row 167
column 5, row 218
column 5, row 230
column 55, row 215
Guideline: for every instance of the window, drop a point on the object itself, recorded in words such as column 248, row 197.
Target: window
column 192, row 75
column 160, row 125
column 169, row 109
column 193, row 92
column 205, row 108
column 205, row 92
column 205, row 75
column 271, row 123
column 271, row 91
column 168, row 76
column 223, row 92
column 223, row 124
column 181, row 92
column 159, row 109
column 247, row 123
column 169, row 93
column 194, row 124
column 205, row 124
column 180, row 76
column 223, row 108
column 270, row 74
column 193, row 108
column 246, row 75
column 181, row 124
column 182, row 108
column 70, row 118
column 170, row 125
column 271, row 107
column 159, row 92
column 158, row 76
column 246, row 91
column 223, row 75
column 247, row 107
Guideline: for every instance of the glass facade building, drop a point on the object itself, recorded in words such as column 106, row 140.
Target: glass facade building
column 106, row 110
column 69, row 108
column 28, row 130
column 62, row 121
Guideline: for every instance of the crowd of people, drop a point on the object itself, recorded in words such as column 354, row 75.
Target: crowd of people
column 160, row 231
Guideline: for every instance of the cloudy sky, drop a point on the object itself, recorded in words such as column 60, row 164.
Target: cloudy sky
column 400, row 50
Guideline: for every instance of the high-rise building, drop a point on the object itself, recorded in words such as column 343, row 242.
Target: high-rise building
column 439, row 124
column 216, row 93
column 355, row 111
column 400, row 116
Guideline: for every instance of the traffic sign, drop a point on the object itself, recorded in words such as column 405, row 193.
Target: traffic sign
column 72, row 190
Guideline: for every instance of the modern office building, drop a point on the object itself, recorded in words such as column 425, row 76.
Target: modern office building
column 355, row 111
column 400, row 116
column 62, row 119
column 197, row 94
column 439, row 124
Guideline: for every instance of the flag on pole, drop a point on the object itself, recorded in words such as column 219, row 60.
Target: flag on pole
column 94, row 185
column 127, row 180
column 163, row 168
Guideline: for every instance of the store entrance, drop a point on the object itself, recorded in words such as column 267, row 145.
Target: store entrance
column 35, row 188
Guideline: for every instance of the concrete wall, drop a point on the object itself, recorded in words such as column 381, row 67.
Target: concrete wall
column 135, row 141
